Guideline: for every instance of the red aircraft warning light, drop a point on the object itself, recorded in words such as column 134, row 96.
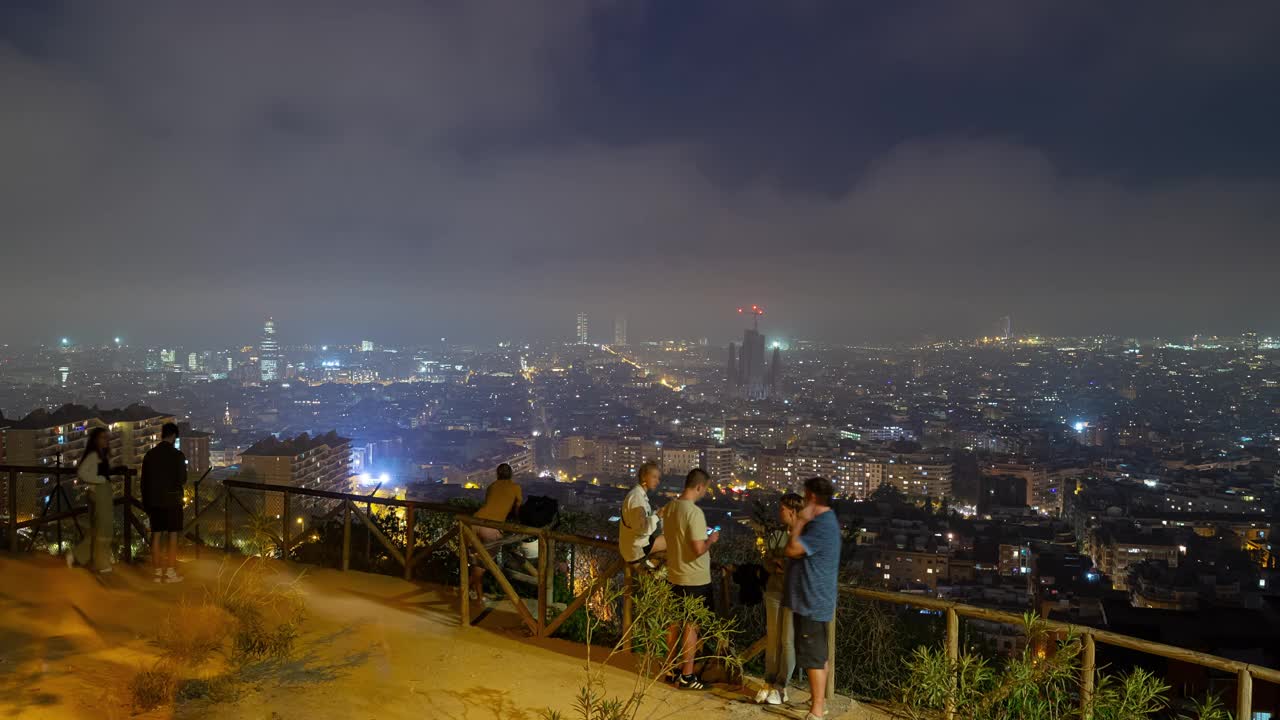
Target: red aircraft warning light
column 756, row 312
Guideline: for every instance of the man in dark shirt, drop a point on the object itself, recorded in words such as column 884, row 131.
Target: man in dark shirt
column 814, row 547
column 164, row 473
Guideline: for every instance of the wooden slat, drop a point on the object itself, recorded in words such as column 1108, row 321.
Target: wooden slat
column 753, row 650
column 498, row 575
column 578, row 602
column 435, row 546
column 203, row 512
column 1103, row 636
column 373, row 530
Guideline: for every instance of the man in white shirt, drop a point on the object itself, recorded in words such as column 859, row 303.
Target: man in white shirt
column 638, row 526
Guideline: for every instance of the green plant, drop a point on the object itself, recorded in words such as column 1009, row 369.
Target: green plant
column 1211, row 708
column 655, row 609
column 1040, row 684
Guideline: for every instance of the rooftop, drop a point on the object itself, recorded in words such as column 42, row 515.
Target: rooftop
column 41, row 418
column 373, row 647
column 272, row 447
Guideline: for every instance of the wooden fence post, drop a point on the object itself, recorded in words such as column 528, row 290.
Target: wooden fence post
column 128, row 519
column 628, row 589
column 464, row 578
column 409, row 518
column 284, row 525
column 226, row 519
column 346, row 535
column 13, row 511
column 542, row 583
column 831, row 657
column 953, row 658
column 1244, row 695
column 1088, row 664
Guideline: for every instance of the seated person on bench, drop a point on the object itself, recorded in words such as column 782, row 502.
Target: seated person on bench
column 638, row 526
column 501, row 500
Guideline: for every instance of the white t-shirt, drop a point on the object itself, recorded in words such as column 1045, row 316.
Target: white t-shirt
column 637, row 525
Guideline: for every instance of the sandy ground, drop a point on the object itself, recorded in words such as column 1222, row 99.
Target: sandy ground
column 376, row 647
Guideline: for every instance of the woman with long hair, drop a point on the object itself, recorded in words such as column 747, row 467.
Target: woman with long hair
column 94, row 471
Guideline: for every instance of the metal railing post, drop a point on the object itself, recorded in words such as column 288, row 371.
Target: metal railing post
column 1244, row 694
column 1088, row 663
column 464, row 577
column 346, row 535
column 13, row 511
column 128, row 519
column 953, row 659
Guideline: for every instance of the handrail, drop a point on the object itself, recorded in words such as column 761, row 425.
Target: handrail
column 12, row 472
column 1245, row 673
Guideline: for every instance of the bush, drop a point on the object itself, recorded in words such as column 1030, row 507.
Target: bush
column 152, row 688
column 268, row 618
column 656, row 608
column 1038, row 685
column 193, row 634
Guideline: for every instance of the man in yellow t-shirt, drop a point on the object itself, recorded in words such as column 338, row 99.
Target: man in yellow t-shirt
column 689, row 566
column 501, row 499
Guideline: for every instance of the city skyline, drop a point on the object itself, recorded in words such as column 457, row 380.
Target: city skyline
column 881, row 173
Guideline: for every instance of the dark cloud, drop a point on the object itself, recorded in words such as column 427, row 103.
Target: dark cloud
column 476, row 169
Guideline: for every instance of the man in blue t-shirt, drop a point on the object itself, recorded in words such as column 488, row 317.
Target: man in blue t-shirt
column 814, row 546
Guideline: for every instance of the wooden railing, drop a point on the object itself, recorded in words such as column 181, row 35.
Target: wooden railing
column 53, row 512
column 360, row 508
column 1245, row 673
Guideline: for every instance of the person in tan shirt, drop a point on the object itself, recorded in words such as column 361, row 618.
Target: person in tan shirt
column 689, row 566
column 501, row 500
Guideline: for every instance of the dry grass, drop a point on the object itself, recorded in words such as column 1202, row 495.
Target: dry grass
column 193, row 634
column 154, row 687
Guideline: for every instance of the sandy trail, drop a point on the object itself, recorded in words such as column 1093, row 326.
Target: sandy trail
column 375, row 647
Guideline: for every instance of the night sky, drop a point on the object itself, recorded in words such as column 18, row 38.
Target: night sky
column 175, row 171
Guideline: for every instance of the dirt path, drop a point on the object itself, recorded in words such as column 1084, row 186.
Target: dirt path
column 376, row 647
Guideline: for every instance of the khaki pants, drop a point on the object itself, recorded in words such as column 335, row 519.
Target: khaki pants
column 94, row 549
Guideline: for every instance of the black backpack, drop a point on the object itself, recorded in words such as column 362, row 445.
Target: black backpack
column 539, row 511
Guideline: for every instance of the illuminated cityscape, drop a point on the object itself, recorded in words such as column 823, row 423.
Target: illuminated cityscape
column 1004, row 277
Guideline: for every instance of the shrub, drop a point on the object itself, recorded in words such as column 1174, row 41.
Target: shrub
column 1034, row 686
column 153, row 687
column 193, row 634
column 655, row 608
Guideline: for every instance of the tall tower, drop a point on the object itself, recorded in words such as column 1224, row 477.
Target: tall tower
column 582, row 328
column 620, row 330
column 775, row 372
column 269, row 353
column 752, row 365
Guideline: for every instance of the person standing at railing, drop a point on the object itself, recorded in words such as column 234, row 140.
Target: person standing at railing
column 164, row 474
column 814, row 548
column 688, row 568
column 501, row 500
column 638, row 536
column 780, row 651
column 94, row 470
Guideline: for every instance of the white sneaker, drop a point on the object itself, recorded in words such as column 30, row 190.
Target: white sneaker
column 105, row 571
column 762, row 696
column 774, row 698
column 157, row 576
column 172, row 576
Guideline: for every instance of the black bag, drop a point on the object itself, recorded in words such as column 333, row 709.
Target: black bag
column 539, row 511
